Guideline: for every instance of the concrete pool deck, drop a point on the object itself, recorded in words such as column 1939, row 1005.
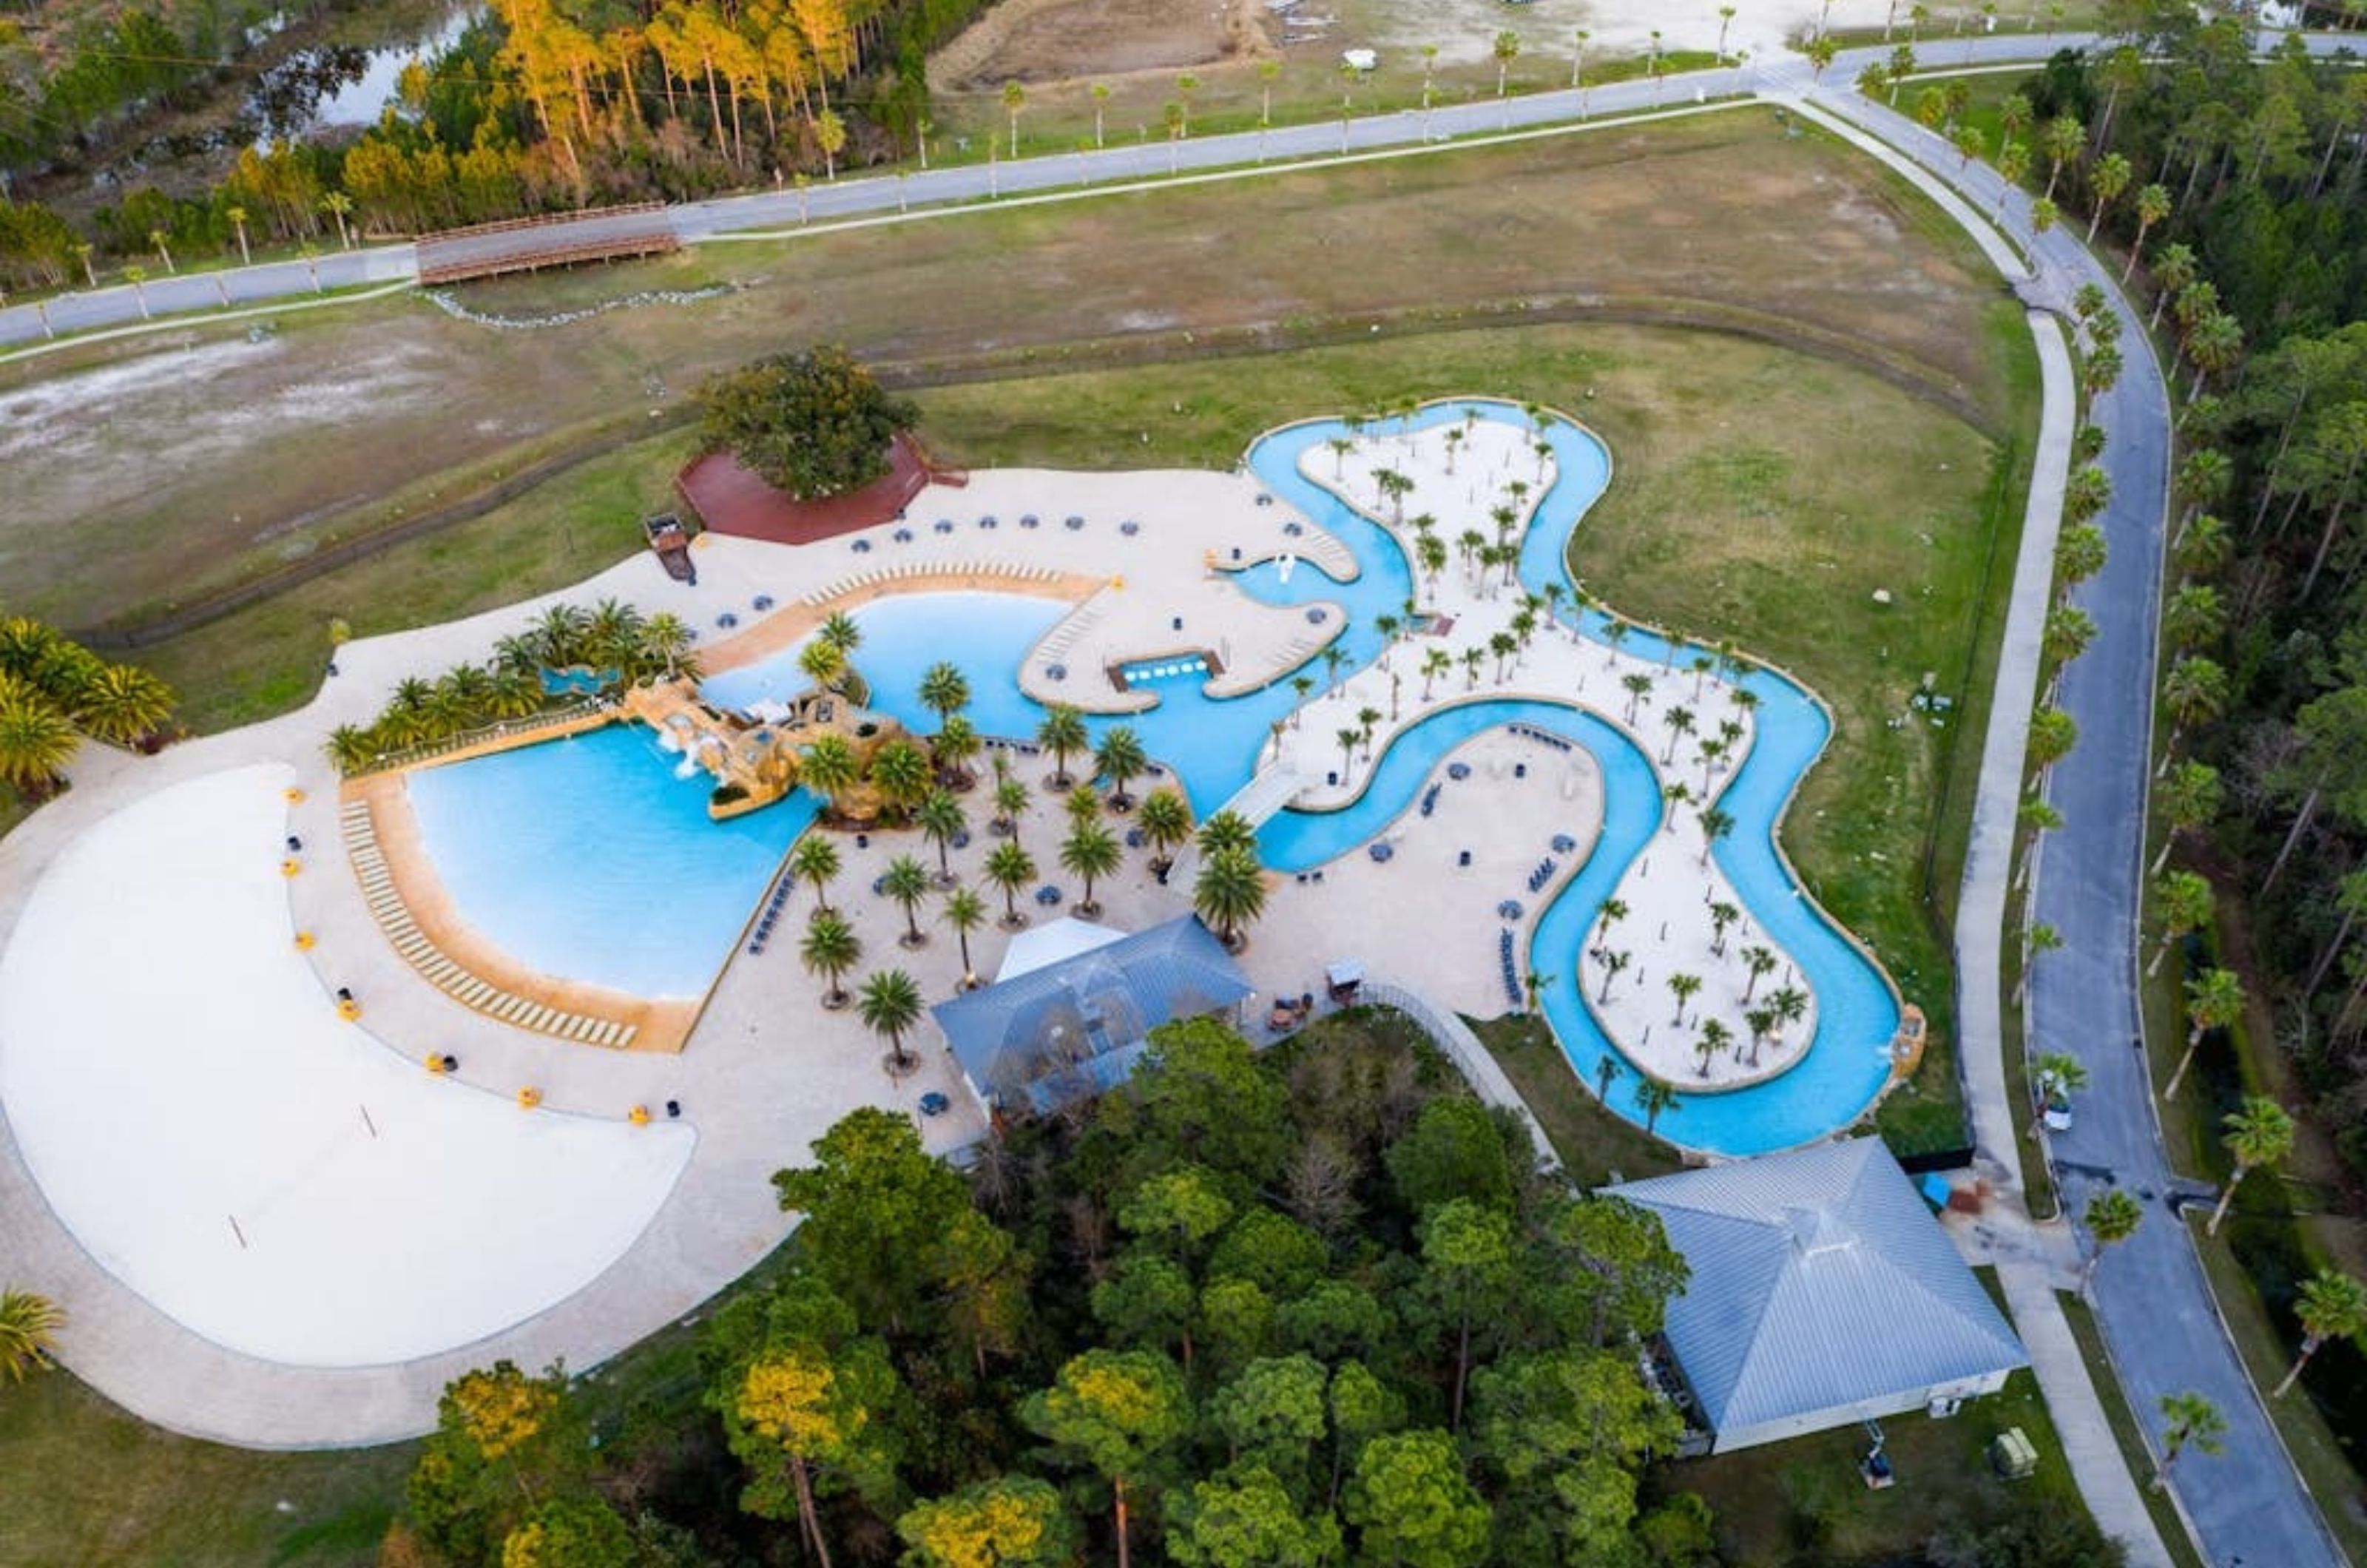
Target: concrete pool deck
column 766, row 1068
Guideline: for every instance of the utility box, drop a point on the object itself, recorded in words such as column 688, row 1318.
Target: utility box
column 2012, row 1455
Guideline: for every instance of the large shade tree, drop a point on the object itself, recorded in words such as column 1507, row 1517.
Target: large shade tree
column 813, row 422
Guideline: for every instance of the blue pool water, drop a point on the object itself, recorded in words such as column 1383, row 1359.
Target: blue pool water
column 587, row 859
column 674, row 858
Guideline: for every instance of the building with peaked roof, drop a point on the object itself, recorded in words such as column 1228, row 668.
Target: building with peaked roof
column 1824, row 1294
column 1072, row 1012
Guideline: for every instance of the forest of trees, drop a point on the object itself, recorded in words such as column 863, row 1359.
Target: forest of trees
column 1250, row 1312
column 2258, row 259
column 540, row 105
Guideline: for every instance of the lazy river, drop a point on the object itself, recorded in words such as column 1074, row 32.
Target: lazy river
column 508, row 866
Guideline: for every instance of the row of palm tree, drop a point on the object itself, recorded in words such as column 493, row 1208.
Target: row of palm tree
column 54, row 692
column 613, row 642
column 1230, row 891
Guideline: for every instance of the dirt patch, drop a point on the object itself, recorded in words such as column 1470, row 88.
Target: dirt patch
column 203, row 457
column 1052, row 40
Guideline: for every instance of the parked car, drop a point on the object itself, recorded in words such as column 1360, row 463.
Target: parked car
column 2057, row 1112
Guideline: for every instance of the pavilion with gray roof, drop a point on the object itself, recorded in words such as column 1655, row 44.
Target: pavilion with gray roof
column 1074, row 1015
column 1824, row 1294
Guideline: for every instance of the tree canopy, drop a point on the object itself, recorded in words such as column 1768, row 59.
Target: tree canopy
column 814, row 423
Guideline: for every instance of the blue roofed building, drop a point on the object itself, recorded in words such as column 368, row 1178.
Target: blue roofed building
column 1823, row 1294
column 1072, row 1012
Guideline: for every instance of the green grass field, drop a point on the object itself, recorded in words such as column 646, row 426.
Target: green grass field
column 1803, row 1503
column 84, row 1485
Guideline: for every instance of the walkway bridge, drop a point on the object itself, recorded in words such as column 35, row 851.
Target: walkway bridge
column 1267, row 791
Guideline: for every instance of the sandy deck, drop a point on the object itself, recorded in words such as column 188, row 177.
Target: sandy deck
column 1461, row 474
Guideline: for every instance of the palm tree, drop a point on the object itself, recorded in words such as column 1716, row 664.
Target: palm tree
column 1714, row 1037
column 891, row 1004
column 1010, row 804
column 1507, row 49
column 2193, row 1422
column 1761, row 962
column 1791, row 1004
column 944, row 690
column 1166, row 823
column 1015, row 98
column 815, row 860
column 2214, row 1000
column 1613, row 960
column 831, row 950
column 2332, row 1305
column 1721, row 915
column 964, row 912
column 903, row 776
column 122, row 704
column 2186, row 906
column 1609, row 913
column 1084, row 806
column 2259, row 1132
column 1639, row 687
column 828, row 768
column 941, row 821
column 1435, row 662
column 1119, row 758
column 1349, row 739
column 1684, row 988
column 1230, row 892
column 1089, row 852
column 2111, row 1217
column 1716, row 824
column 36, row 741
column 1227, row 830
column 2060, row 1070
column 823, row 664
column 1760, row 1022
column 237, row 216
column 1681, row 723
column 1063, row 731
column 1655, row 1097
column 351, row 748
column 2153, row 206
column 906, row 881
column 338, row 206
column 841, row 631
column 1011, row 868
column 29, row 1329
column 954, row 747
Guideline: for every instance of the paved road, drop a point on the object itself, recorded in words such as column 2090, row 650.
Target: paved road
column 124, row 305
column 2154, row 1301
column 2151, row 1295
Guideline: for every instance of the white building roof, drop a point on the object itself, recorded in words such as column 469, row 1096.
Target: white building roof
column 1039, row 947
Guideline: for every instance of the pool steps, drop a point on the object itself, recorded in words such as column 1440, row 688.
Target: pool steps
column 440, row 969
column 880, row 574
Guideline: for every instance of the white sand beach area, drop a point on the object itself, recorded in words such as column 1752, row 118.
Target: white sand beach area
column 268, row 1175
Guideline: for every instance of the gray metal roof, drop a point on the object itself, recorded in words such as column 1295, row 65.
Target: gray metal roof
column 1820, row 1281
column 1077, row 1026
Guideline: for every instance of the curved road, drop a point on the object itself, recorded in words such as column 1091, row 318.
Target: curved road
column 125, row 304
column 2246, row 1504
column 2153, row 1300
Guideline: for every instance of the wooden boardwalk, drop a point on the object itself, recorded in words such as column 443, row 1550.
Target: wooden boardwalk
column 523, row 245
